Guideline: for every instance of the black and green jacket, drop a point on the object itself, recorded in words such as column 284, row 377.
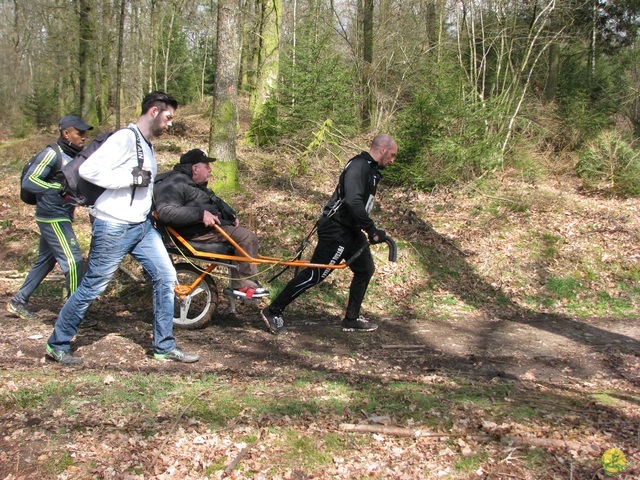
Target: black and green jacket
column 42, row 180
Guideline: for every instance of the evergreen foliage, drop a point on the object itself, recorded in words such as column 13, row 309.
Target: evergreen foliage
column 265, row 128
column 611, row 164
column 41, row 106
column 444, row 139
column 588, row 101
column 319, row 86
column 182, row 74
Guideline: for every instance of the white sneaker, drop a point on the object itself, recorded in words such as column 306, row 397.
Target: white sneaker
column 251, row 292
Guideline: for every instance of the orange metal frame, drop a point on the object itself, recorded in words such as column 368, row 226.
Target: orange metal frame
column 241, row 256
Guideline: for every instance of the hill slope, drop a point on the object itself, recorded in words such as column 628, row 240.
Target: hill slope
column 509, row 337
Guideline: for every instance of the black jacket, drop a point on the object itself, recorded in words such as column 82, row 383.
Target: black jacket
column 352, row 200
column 180, row 202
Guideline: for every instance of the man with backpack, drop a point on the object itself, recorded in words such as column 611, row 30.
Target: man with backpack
column 54, row 215
column 123, row 226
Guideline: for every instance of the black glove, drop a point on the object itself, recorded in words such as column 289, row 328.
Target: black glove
column 141, row 178
column 377, row 236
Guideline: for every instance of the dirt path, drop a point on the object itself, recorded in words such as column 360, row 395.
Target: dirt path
column 548, row 348
column 556, row 365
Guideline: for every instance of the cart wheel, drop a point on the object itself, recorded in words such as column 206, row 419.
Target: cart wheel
column 194, row 311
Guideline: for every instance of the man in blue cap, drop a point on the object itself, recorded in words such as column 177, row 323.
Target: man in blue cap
column 54, row 215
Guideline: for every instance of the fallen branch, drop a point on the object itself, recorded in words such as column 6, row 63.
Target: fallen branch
column 516, row 441
column 384, row 429
column 14, row 275
column 549, row 443
column 173, row 427
column 229, row 468
column 130, row 274
column 403, row 346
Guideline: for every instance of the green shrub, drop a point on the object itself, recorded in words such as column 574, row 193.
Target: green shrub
column 444, row 138
column 609, row 163
column 587, row 99
column 265, row 129
column 319, row 86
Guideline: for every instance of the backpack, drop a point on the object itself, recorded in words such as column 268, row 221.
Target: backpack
column 25, row 195
column 76, row 189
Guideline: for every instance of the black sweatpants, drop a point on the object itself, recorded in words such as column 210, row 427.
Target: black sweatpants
column 335, row 242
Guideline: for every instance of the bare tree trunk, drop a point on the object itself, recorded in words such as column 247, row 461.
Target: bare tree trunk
column 203, row 72
column 294, row 47
column 431, row 23
column 138, row 32
column 222, row 136
column 86, row 61
column 167, row 52
column 152, row 47
column 367, row 61
column 268, row 56
column 594, row 32
column 251, row 28
column 551, row 85
column 119, row 61
column 105, row 39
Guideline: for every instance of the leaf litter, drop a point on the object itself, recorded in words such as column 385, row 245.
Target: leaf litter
column 481, row 386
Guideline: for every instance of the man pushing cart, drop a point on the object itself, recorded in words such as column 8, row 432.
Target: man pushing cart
column 341, row 242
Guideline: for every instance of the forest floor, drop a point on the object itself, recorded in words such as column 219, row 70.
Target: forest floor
column 476, row 370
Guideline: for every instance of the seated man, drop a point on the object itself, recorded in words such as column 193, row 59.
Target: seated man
column 184, row 202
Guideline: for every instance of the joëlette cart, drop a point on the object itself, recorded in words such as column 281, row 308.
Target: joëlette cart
column 196, row 292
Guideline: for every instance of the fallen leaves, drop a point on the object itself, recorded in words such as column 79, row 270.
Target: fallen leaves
column 490, row 394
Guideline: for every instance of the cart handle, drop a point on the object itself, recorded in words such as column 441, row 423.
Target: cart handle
column 393, row 251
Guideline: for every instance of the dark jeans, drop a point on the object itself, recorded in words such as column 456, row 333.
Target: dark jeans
column 335, row 242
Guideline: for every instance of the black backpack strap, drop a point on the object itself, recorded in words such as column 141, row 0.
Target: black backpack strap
column 140, row 159
column 56, row 148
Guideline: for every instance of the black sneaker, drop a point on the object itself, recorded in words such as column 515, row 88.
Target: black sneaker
column 177, row 355
column 88, row 323
column 20, row 310
column 62, row 356
column 358, row 325
column 273, row 321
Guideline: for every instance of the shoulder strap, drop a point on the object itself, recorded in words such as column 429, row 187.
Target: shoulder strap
column 140, row 159
column 138, row 147
column 56, row 148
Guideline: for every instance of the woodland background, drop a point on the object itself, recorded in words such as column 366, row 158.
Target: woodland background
column 468, row 87
column 509, row 342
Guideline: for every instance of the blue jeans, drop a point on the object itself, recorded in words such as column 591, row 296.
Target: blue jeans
column 110, row 243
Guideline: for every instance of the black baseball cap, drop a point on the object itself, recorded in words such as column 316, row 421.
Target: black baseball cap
column 195, row 156
column 73, row 121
